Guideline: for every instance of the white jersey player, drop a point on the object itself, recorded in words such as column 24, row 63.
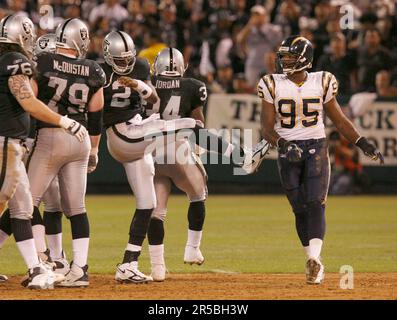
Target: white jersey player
column 293, row 108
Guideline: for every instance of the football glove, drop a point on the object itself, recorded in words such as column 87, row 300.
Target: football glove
column 92, row 160
column 370, row 150
column 291, row 150
column 74, row 128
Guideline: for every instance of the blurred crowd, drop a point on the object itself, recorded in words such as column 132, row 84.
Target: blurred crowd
column 230, row 43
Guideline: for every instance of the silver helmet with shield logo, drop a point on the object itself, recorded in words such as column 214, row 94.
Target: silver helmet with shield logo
column 169, row 62
column 119, row 52
column 46, row 43
column 73, row 34
column 20, row 30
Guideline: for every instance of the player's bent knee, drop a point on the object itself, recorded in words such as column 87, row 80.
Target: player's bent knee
column 159, row 214
column 316, row 206
column 71, row 212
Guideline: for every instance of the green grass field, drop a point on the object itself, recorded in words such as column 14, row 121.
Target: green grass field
column 242, row 234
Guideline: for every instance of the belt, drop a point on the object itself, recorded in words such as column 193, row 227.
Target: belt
column 309, row 141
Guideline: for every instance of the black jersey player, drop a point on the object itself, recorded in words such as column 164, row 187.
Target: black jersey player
column 17, row 101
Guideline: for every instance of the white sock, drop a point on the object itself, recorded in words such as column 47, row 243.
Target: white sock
column 194, row 238
column 39, row 237
column 3, row 238
column 133, row 247
column 307, row 251
column 229, row 150
column 55, row 245
column 315, row 248
column 156, row 254
column 80, row 251
column 29, row 253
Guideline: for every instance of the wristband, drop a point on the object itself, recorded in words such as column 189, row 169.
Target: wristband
column 358, row 139
column 94, row 123
column 144, row 90
column 281, row 142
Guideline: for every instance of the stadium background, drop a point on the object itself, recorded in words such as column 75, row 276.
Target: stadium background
column 258, row 230
column 361, row 52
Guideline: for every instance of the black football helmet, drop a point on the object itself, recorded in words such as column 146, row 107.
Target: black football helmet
column 295, row 54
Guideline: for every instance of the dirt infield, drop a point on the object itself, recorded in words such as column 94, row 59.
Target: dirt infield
column 213, row 286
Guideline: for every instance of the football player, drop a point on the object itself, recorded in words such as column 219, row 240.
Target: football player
column 51, row 198
column 71, row 86
column 131, row 139
column 17, row 101
column 179, row 97
column 293, row 107
column 52, row 217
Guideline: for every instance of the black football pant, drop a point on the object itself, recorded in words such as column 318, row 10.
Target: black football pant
column 306, row 186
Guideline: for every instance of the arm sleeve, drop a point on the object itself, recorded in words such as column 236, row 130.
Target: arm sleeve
column 330, row 86
column 265, row 88
column 99, row 80
column 199, row 95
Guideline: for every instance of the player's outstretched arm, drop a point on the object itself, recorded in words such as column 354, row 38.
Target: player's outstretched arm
column 346, row 127
column 21, row 89
column 95, row 124
column 198, row 114
column 141, row 87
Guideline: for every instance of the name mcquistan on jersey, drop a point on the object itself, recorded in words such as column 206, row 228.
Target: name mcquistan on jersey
column 67, row 67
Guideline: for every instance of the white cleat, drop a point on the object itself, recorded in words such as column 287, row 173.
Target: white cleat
column 40, row 277
column 158, row 272
column 254, row 158
column 193, row 255
column 3, row 278
column 314, row 271
column 50, row 267
column 46, row 259
column 129, row 273
column 61, row 265
column 76, row 277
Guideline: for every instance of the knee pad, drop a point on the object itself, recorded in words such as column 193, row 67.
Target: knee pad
column 5, row 222
column 37, row 219
column 140, row 225
column 22, row 229
column 196, row 215
column 80, row 226
column 156, row 232
column 52, row 222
